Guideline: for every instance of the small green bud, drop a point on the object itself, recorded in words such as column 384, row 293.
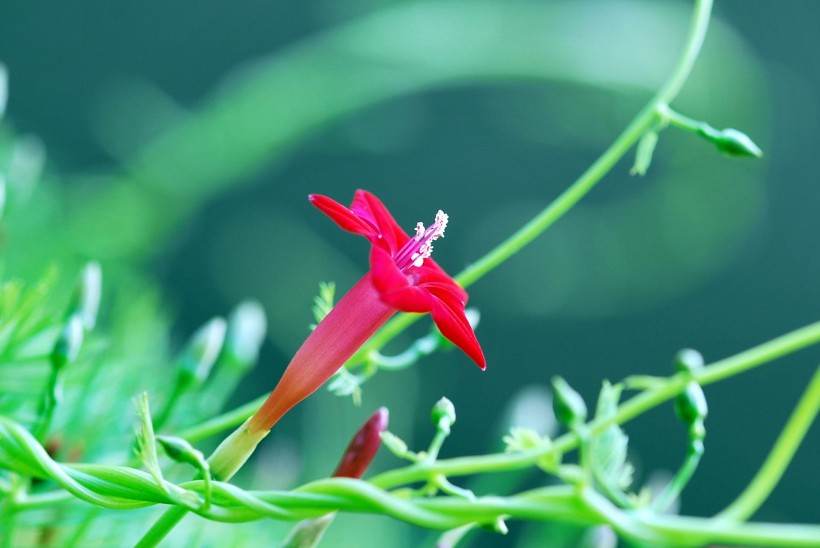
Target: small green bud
column 690, row 405
column 736, row 143
column 443, row 412
column 246, row 331
column 688, row 360
column 496, row 526
column 568, row 404
column 731, row 142
column 198, row 357
column 68, row 342
column 179, row 450
column 86, row 299
column 395, row 444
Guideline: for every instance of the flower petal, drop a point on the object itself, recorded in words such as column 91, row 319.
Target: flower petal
column 453, row 324
column 431, row 276
column 345, row 218
column 393, row 286
column 390, row 230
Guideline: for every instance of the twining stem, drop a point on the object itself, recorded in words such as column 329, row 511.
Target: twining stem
column 646, row 118
column 780, row 456
column 656, row 108
column 652, row 397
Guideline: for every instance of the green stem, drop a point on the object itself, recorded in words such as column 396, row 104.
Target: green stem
column 682, row 477
column 170, row 404
column 552, row 213
column 48, row 405
column 780, row 456
column 222, row 422
column 526, row 234
column 572, row 195
column 162, row 527
column 648, row 399
column 224, row 462
column 681, row 121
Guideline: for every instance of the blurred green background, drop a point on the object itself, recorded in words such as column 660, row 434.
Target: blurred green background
column 182, row 139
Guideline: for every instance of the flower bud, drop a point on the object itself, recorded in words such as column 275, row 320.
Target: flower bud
column 363, row 447
column 690, row 405
column 246, row 331
column 736, row 143
column 179, row 450
column 568, row 405
column 86, row 299
column 200, row 353
column 68, row 342
column 395, row 444
column 443, row 411
column 688, row 360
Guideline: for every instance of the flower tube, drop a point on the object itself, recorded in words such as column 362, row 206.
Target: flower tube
column 402, row 277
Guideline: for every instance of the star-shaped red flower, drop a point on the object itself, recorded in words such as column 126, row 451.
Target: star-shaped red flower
column 402, row 277
column 401, row 270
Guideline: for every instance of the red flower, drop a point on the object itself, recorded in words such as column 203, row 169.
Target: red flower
column 402, row 272
column 402, row 277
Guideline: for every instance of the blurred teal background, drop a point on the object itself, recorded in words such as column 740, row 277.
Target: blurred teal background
column 182, row 139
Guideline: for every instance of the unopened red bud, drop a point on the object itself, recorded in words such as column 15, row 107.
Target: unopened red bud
column 363, row 447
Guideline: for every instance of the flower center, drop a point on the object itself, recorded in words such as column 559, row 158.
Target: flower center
column 420, row 246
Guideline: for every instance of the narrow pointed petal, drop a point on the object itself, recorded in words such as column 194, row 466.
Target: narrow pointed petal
column 453, row 324
column 345, row 218
column 389, row 228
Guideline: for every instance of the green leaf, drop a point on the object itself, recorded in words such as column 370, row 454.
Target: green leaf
column 345, row 383
column 323, row 302
column 608, row 449
column 526, row 439
column 644, row 152
column 145, row 444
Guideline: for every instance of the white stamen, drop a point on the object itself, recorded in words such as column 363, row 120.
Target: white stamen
column 423, row 238
column 419, row 231
column 440, row 224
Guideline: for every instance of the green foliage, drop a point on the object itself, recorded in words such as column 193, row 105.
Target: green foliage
column 145, row 443
column 525, row 440
column 62, row 386
column 608, row 449
column 323, row 302
column 644, row 152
